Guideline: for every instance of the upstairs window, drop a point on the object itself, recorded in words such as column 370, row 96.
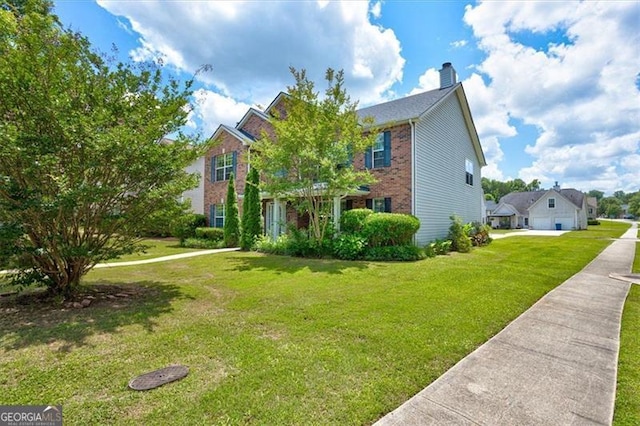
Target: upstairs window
column 223, row 165
column 468, row 165
column 379, row 155
column 552, row 203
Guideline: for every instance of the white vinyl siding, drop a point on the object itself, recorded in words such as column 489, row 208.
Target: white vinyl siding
column 443, row 145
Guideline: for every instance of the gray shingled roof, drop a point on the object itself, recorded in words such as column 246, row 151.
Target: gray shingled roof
column 523, row 200
column 405, row 108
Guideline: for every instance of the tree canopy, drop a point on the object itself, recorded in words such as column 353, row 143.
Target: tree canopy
column 83, row 162
column 497, row 189
column 308, row 159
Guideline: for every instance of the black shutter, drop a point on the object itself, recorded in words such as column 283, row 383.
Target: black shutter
column 387, row 204
column 369, row 203
column 387, row 148
column 367, row 158
column 349, row 205
column 213, row 168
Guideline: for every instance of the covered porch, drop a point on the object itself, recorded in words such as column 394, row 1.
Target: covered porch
column 279, row 212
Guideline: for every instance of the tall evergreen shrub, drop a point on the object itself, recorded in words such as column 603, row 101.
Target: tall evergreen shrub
column 231, row 220
column 251, row 209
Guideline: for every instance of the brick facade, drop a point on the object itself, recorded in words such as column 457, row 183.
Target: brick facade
column 393, row 181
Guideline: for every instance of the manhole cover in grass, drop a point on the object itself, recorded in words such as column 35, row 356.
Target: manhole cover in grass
column 159, row 377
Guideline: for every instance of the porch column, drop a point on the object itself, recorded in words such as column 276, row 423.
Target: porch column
column 336, row 213
column 275, row 226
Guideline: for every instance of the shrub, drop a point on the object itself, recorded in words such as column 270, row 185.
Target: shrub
column 593, row 222
column 352, row 221
column 266, row 244
column 186, row 225
column 402, row 253
column 460, row 240
column 349, row 247
column 478, row 233
column 231, row 220
column 201, row 243
column 213, row 234
column 301, row 244
column 390, row 229
column 437, row 248
column 251, row 211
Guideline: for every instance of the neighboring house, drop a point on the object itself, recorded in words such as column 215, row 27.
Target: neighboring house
column 489, row 208
column 427, row 161
column 547, row 209
column 592, row 208
column 196, row 195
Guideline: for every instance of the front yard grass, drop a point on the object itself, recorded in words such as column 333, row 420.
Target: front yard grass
column 627, row 410
column 277, row 340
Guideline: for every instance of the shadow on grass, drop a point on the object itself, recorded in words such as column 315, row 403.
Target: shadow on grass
column 291, row 265
column 28, row 319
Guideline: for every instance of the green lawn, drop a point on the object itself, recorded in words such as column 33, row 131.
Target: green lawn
column 277, row 340
column 628, row 392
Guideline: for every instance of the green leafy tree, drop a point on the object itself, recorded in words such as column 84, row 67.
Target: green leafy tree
column 610, row 207
column 634, row 204
column 82, row 166
column 251, row 209
column 308, row 158
column 231, row 220
column 598, row 195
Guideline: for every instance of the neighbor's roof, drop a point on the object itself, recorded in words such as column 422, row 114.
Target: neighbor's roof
column 410, row 107
column 523, row 200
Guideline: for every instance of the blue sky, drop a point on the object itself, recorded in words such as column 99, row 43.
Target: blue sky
column 554, row 87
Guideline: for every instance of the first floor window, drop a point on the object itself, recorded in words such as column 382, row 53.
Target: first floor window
column 217, row 213
column 379, row 205
column 469, row 172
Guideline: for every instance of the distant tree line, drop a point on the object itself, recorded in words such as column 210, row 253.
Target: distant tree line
column 495, row 189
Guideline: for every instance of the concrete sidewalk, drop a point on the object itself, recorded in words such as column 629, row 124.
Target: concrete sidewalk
column 556, row 364
column 155, row 259
column 164, row 258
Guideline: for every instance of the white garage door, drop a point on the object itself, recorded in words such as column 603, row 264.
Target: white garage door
column 541, row 223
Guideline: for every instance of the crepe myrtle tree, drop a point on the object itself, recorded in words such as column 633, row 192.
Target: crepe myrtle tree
column 308, row 158
column 83, row 163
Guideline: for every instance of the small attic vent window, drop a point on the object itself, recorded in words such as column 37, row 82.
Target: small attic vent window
column 552, row 203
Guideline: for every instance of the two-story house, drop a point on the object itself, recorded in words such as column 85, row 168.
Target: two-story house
column 427, row 162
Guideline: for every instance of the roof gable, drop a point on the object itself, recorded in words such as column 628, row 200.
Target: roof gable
column 523, row 201
column 243, row 137
column 570, row 195
column 247, row 116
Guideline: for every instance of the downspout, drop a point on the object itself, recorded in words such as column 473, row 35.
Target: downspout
column 413, row 171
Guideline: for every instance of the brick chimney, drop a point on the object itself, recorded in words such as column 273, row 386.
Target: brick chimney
column 447, row 75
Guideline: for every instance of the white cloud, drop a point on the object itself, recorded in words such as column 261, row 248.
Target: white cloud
column 459, row 43
column 376, row 10
column 579, row 90
column 251, row 45
column 213, row 109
